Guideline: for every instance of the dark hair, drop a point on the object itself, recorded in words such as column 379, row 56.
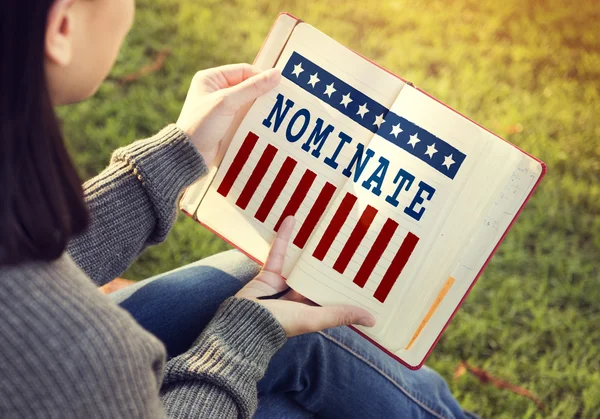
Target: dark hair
column 41, row 198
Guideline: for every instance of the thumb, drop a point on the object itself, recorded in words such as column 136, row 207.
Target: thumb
column 237, row 96
column 341, row 315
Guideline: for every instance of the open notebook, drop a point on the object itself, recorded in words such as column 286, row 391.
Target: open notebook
column 399, row 200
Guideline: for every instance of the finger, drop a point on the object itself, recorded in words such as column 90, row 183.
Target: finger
column 276, row 258
column 231, row 74
column 237, row 96
column 273, row 280
column 237, row 73
column 332, row 316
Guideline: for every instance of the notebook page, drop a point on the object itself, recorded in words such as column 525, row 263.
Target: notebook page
column 268, row 145
column 462, row 223
column 382, row 258
column 463, row 218
column 521, row 179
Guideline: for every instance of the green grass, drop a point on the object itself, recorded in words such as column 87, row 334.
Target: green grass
column 534, row 317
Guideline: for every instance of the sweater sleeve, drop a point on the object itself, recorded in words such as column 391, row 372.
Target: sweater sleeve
column 217, row 377
column 132, row 202
column 68, row 352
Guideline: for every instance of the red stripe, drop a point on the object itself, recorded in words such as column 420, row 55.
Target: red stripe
column 275, row 190
column 334, row 226
column 257, row 174
column 395, row 269
column 238, row 163
column 381, row 242
column 297, row 196
column 359, row 232
column 314, row 215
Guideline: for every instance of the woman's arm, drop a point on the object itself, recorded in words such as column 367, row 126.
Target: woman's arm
column 133, row 201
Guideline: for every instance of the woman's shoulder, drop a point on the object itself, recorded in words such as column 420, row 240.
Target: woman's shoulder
column 53, row 311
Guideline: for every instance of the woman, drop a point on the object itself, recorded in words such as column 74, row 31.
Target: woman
column 66, row 351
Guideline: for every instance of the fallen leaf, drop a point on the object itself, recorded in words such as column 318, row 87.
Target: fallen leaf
column 486, row 377
column 514, row 129
column 460, row 370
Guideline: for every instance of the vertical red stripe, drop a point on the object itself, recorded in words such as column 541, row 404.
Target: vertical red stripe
column 314, row 215
column 396, row 267
column 238, row 163
column 257, row 174
column 381, row 242
column 358, row 233
column 336, row 223
column 275, row 190
column 297, row 196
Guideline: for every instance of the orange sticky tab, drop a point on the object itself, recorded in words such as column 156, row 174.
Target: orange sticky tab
column 432, row 309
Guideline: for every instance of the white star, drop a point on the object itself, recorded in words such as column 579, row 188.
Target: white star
column 396, row 130
column 362, row 110
column 345, row 100
column 414, row 139
column 431, row 150
column 448, row 161
column 329, row 90
column 314, row 79
column 379, row 120
column 297, row 70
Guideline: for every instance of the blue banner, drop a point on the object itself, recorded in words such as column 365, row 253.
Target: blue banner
column 373, row 116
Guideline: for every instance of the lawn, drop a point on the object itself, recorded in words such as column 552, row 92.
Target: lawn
column 530, row 71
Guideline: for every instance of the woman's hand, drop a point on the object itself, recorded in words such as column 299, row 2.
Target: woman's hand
column 215, row 96
column 296, row 314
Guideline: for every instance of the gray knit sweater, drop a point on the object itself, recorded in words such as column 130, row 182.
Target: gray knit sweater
column 66, row 351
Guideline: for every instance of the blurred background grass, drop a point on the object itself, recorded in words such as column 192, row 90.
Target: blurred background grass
column 528, row 70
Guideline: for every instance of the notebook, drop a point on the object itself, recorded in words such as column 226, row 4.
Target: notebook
column 399, row 200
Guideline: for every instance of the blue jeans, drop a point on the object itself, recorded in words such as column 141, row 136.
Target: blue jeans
column 332, row 374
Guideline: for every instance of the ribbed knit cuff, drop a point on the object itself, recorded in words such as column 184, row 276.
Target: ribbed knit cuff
column 248, row 328
column 232, row 353
column 164, row 164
